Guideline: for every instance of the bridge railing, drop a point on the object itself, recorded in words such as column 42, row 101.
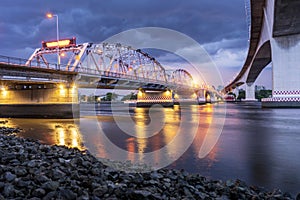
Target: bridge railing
column 24, row 62
column 12, row 60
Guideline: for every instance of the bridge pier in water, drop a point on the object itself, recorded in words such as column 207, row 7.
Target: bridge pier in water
column 147, row 98
column 286, row 72
column 38, row 100
column 250, row 92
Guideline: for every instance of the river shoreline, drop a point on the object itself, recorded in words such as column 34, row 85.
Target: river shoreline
column 30, row 169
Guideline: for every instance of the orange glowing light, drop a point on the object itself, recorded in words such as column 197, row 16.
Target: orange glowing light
column 62, row 54
column 61, row 43
column 49, row 15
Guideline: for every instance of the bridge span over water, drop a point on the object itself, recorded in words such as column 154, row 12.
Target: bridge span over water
column 275, row 38
column 36, row 82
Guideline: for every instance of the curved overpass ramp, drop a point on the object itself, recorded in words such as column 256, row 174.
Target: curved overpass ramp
column 275, row 37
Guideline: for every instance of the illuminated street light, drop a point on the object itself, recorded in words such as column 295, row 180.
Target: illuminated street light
column 50, row 16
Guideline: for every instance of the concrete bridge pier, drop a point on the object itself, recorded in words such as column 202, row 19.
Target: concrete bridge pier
column 250, row 92
column 38, row 100
column 207, row 96
column 147, row 98
column 236, row 91
column 286, row 72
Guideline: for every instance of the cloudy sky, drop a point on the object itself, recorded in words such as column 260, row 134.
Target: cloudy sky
column 220, row 27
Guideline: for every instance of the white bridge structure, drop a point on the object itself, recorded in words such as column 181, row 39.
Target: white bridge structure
column 115, row 66
column 275, row 38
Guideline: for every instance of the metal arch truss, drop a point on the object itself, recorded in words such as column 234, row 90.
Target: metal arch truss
column 117, row 59
column 38, row 58
column 113, row 62
column 181, row 77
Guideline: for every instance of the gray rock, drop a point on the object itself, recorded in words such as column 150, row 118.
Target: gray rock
column 20, row 171
column 140, row 194
column 40, row 192
column 50, row 185
column 67, row 194
column 100, row 191
column 42, row 178
column 31, row 163
column 50, row 195
column 8, row 190
column 9, row 176
column 298, row 197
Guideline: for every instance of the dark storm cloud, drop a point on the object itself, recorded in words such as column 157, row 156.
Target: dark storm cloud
column 215, row 24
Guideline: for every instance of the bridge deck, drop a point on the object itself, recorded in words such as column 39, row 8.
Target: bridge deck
column 17, row 73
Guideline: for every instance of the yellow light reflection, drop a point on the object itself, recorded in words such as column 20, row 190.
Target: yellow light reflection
column 74, row 137
column 68, row 136
column 61, row 136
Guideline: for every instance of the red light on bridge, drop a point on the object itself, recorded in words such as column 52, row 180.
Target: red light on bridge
column 59, row 44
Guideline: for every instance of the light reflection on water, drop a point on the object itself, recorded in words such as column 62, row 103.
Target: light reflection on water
column 49, row 131
column 260, row 146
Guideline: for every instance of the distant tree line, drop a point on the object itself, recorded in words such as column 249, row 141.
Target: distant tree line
column 108, row 97
column 258, row 94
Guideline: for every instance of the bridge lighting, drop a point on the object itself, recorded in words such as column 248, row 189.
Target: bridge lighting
column 49, row 15
column 62, row 54
column 62, row 90
column 3, row 91
column 140, row 93
column 195, row 83
column 168, row 93
column 73, row 88
column 59, row 44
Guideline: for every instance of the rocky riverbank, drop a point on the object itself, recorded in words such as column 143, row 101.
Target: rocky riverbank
column 30, row 170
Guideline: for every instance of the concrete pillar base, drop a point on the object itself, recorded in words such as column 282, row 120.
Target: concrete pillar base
column 54, row 111
column 250, row 92
column 249, row 100
column 149, row 104
column 281, row 102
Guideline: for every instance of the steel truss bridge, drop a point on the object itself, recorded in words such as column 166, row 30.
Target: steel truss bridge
column 107, row 65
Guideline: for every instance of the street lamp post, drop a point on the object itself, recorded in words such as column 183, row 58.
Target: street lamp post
column 50, row 15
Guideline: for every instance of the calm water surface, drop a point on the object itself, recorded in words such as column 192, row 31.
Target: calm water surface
column 259, row 146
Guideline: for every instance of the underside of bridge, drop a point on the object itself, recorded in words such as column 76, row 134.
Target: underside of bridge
column 260, row 61
column 286, row 18
column 255, row 31
column 275, row 37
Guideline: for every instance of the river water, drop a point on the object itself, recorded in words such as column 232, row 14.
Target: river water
column 259, row 146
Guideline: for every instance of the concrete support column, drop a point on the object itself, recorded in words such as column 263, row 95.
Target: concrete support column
column 286, row 72
column 236, row 92
column 149, row 98
column 250, row 92
column 286, row 66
